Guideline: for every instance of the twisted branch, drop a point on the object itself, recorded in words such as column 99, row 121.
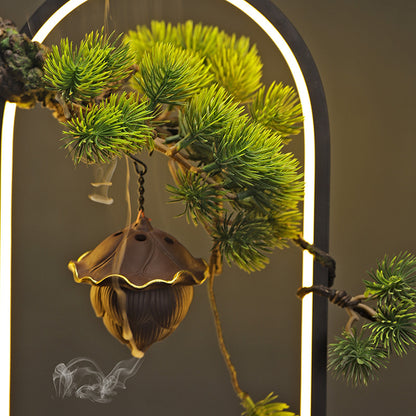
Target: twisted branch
column 352, row 304
column 213, row 270
column 321, row 256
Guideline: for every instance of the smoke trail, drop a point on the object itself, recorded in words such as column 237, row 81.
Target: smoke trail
column 82, row 378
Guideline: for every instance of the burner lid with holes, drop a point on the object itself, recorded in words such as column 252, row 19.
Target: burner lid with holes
column 141, row 256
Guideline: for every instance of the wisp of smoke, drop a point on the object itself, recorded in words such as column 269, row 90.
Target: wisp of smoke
column 82, row 378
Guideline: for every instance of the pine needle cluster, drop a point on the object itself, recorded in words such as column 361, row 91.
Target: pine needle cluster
column 116, row 126
column 244, row 241
column 393, row 331
column 233, row 62
column 237, row 67
column 81, row 73
column 170, row 75
column 247, row 161
column 355, row 358
column 278, row 108
column 265, row 407
column 204, row 119
column 202, row 201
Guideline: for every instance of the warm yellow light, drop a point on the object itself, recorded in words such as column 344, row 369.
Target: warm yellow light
column 6, row 217
column 309, row 202
column 6, row 252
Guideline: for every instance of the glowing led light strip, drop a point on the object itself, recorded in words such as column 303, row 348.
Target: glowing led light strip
column 6, row 252
column 309, row 206
column 6, row 217
column 309, row 202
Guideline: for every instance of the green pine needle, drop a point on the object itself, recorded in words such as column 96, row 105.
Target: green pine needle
column 355, row 359
column 394, row 280
column 143, row 39
column 83, row 72
column 285, row 226
column 266, row 407
column 250, row 159
column 244, row 241
column 234, row 64
column 171, row 75
column 237, row 67
column 202, row 200
column 205, row 117
column 278, row 108
column 117, row 125
column 198, row 38
column 394, row 328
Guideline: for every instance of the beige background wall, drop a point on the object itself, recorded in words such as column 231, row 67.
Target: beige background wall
column 364, row 51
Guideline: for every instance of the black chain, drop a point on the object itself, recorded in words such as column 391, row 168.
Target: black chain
column 141, row 172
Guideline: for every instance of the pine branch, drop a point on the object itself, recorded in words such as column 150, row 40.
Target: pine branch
column 203, row 120
column 237, row 67
column 243, row 241
column 394, row 280
column 171, row 75
column 394, row 328
column 321, row 256
column 199, row 38
column 355, row 358
column 143, row 39
column 278, row 108
column 81, row 73
column 265, row 407
column 226, row 355
column 202, row 200
column 117, row 125
column 250, row 159
column 234, row 63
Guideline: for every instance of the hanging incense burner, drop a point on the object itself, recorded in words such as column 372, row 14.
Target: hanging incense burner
column 141, row 280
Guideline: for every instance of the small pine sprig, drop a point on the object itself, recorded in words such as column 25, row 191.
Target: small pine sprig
column 277, row 108
column 205, row 117
column 394, row 280
column 243, row 241
column 250, row 159
column 284, row 226
column 203, row 201
column 266, row 407
column 355, row 358
column 118, row 56
column 199, row 38
column 143, row 39
column 394, row 328
column 171, row 75
column 117, row 125
column 81, row 73
column 237, row 67
column 234, row 63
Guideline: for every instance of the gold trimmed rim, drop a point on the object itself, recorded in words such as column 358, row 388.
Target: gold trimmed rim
column 72, row 266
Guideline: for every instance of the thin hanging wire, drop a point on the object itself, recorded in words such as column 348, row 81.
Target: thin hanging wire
column 107, row 16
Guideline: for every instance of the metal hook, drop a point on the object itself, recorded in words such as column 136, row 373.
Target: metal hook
column 136, row 162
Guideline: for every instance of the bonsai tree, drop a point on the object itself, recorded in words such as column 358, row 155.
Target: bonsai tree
column 195, row 94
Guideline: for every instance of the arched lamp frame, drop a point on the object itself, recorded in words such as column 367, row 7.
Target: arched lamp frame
column 316, row 203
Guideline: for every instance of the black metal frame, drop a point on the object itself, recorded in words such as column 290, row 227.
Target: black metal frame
column 322, row 169
column 322, row 188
